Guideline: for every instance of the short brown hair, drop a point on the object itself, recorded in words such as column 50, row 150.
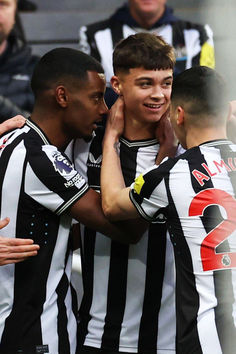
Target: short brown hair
column 143, row 50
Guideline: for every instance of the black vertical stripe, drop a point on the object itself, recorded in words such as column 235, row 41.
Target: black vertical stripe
column 117, row 283
column 187, row 339
column 156, row 253
column 116, row 295
column 63, row 336
column 87, row 259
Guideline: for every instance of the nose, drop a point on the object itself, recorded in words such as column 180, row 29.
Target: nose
column 157, row 92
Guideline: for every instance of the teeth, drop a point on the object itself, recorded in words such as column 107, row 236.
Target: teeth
column 153, row 105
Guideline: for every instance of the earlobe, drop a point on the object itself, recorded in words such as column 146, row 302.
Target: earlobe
column 61, row 96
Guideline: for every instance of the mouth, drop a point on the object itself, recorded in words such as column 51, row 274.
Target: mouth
column 95, row 124
column 154, row 106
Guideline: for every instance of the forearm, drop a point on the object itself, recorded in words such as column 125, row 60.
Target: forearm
column 88, row 211
column 112, row 181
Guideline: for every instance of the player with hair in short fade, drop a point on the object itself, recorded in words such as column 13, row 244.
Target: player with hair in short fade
column 126, row 306
column 38, row 304
column 196, row 193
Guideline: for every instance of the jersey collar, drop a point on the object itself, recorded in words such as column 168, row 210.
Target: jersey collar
column 36, row 128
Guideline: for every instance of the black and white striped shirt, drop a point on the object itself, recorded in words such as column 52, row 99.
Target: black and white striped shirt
column 193, row 43
column 196, row 192
column 37, row 185
column 129, row 300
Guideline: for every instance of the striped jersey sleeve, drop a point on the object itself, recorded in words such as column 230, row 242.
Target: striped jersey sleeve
column 51, row 179
column 148, row 192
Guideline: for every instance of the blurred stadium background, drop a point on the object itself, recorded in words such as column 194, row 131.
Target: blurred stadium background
column 56, row 23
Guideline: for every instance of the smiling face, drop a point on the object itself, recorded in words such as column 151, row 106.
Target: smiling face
column 146, row 93
column 85, row 107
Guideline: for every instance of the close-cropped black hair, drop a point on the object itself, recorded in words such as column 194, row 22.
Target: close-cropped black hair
column 204, row 88
column 143, row 50
column 61, row 63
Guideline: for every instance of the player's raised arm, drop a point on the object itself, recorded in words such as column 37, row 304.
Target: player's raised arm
column 115, row 196
column 14, row 250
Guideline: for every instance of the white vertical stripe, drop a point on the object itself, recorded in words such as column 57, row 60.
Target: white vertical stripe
column 206, row 315
column 166, row 32
column 167, row 315
column 105, row 46
column 72, row 322
column 100, row 287
column 134, row 304
column 192, row 42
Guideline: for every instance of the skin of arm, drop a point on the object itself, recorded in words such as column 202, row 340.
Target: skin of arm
column 116, row 203
column 88, row 211
column 14, row 250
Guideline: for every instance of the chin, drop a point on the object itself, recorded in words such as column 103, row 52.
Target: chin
column 88, row 136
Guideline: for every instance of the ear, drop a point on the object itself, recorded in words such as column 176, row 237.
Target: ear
column 61, row 95
column 116, row 85
column 180, row 115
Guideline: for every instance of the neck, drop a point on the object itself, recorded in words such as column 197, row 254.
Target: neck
column 3, row 47
column 146, row 20
column 135, row 130
column 199, row 136
column 55, row 134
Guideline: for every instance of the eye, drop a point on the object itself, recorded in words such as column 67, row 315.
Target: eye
column 168, row 83
column 145, row 84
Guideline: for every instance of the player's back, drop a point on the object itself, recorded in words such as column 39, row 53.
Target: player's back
column 201, row 189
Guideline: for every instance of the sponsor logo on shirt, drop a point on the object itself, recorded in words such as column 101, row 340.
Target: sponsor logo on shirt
column 92, row 162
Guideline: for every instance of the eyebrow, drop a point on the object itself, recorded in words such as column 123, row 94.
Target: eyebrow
column 150, row 78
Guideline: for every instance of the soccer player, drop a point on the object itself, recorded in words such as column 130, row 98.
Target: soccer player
column 127, row 306
column 196, row 193
column 41, row 191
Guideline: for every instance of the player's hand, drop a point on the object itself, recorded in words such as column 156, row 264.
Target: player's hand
column 166, row 138
column 14, row 250
column 115, row 120
column 12, row 123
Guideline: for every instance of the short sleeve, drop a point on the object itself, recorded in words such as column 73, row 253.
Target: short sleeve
column 51, row 179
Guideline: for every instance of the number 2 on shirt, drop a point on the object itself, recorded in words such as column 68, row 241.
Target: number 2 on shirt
column 210, row 259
